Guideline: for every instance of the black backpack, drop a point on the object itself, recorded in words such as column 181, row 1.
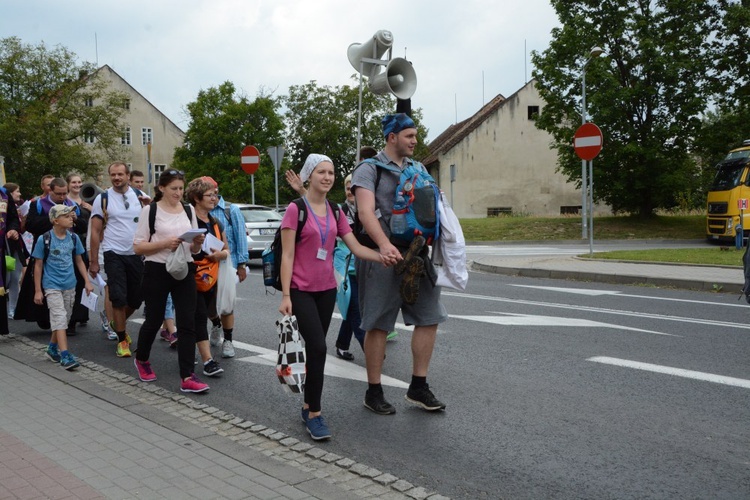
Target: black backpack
column 272, row 255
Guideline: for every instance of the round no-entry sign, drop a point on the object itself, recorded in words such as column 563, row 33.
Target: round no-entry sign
column 587, row 141
column 250, row 159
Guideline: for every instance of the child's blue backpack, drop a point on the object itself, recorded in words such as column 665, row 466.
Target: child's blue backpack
column 415, row 205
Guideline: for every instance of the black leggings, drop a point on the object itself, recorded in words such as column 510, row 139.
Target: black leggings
column 157, row 284
column 201, row 313
column 313, row 311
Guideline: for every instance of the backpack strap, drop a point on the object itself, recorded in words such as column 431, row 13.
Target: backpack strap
column 152, row 217
column 228, row 213
column 302, row 217
column 46, row 239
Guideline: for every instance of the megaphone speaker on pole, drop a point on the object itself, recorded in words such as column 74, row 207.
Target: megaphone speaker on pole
column 374, row 48
column 399, row 78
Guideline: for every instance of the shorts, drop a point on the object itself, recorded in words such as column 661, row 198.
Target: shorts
column 60, row 305
column 125, row 273
column 380, row 300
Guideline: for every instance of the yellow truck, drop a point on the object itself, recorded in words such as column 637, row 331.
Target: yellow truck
column 729, row 195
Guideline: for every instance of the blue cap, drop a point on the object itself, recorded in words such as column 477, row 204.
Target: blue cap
column 396, row 123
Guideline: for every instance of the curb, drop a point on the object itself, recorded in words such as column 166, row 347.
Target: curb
column 526, row 272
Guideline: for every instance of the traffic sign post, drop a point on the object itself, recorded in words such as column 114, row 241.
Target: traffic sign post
column 277, row 154
column 250, row 161
column 587, row 142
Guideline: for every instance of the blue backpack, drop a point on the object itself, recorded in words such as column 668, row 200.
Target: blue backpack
column 415, row 204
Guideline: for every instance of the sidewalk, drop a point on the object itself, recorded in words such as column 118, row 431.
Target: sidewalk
column 690, row 277
column 97, row 433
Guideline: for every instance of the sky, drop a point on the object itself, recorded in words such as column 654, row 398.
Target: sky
column 464, row 52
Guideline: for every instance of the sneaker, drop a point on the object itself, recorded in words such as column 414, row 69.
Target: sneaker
column 215, row 336
column 11, row 313
column 112, row 335
column 193, row 384
column 409, row 288
column 53, row 353
column 317, row 428
column 128, row 339
column 425, row 398
column 145, row 373
column 173, row 341
column 345, row 355
column 227, row 349
column 212, row 368
column 375, row 401
column 392, row 335
column 123, row 349
column 165, row 335
column 68, row 361
column 305, row 412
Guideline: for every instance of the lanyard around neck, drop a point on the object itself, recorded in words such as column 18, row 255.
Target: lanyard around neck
column 323, row 235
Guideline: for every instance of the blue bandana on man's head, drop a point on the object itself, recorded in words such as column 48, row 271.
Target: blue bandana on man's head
column 396, row 123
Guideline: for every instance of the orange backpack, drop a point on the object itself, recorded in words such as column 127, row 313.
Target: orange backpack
column 207, row 272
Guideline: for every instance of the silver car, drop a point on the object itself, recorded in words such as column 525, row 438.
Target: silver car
column 261, row 224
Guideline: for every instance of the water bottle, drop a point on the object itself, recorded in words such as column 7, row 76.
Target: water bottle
column 398, row 217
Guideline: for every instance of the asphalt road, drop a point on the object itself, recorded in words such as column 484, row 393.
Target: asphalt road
column 554, row 389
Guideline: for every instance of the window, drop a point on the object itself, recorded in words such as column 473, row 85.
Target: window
column 158, row 169
column 495, row 211
column 570, row 210
column 89, row 137
column 89, row 102
column 147, row 135
column 126, row 139
column 126, row 103
column 533, row 112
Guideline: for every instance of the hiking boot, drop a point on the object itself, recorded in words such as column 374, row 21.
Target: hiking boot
column 409, row 288
column 424, row 397
column 123, row 349
column 345, row 355
column 212, row 368
column 413, row 251
column 227, row 349
column 68, row 361
column 193, row 384
column 215, row 336
column 53, row 353
column 145, row 373
column 317, row 428
column 375, row 401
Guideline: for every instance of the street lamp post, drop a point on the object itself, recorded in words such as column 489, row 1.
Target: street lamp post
column 595, row 52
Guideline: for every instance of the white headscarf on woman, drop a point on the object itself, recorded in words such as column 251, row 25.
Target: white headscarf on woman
column 312, row 161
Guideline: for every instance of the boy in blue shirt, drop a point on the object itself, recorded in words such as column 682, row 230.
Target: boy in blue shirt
column 55, row 279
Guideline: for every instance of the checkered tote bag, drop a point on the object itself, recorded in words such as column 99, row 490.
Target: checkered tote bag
column 290, row 367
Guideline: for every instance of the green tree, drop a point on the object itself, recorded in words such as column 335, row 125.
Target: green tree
column 49, row 106
column 222, row 122
column 323, row 119
column 647, row 94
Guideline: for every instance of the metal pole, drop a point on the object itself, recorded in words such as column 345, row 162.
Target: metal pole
column 584, row 180
column 591, row 208
column 252, row 185
column 359, row 114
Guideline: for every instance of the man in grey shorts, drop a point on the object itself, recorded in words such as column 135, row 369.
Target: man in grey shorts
column 379, row 299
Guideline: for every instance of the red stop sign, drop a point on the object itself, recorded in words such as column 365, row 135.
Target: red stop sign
column 250, row 159
column 587, row 141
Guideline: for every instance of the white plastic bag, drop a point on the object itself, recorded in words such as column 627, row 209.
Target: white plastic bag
column 290, row 367
column 449, row 252
column 177, row 263
column 226, row 293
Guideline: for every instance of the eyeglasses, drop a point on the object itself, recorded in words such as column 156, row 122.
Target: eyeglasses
column 213, row 196
column 125, row 200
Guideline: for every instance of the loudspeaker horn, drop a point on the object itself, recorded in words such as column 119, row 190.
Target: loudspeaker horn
column 374, row 48
column 89, row 192
column 399, row 78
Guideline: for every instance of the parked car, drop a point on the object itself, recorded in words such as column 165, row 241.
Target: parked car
column 261, row 223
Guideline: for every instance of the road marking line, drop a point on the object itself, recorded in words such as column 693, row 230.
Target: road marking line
column 637, row 314
column 510, row 319
column 677, row 372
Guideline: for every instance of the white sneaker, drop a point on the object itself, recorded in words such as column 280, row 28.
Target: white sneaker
column 111, row 335
column 227, row 349
column 215, row 337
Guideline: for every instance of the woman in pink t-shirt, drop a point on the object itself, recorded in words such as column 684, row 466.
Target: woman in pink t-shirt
column 307, row 279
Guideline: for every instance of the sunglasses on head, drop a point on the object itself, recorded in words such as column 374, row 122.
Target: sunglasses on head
column 174, row 172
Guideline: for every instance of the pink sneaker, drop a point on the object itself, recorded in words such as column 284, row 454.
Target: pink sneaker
column 193, row 384
column 165, row 335
column 145, row 373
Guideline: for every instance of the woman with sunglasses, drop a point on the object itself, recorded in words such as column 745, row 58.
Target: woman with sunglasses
column 172, row 219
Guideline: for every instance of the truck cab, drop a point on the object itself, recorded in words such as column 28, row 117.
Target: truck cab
column 728, row 193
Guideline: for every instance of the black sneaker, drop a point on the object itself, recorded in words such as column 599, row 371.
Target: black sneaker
column 376, row 402
column 212, row 368
column 345, row 355
column 425, row 398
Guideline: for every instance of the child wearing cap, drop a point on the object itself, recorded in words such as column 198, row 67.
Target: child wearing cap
column 54, row 278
